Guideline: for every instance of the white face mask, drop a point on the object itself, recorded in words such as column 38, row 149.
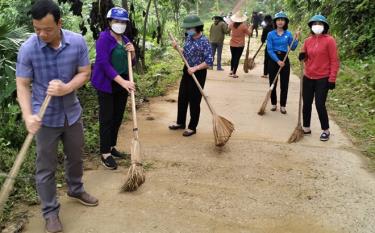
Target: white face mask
column 118, row 28
column 317, row 29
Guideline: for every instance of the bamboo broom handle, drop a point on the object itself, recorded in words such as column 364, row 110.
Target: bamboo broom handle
column 132, row 96
column 248, row 48
column 193, row 75
column 300, row 95
column 9, row 182
column 258, row 51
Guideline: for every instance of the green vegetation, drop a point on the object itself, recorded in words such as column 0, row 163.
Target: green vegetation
column 155, row 80
column 353, row 101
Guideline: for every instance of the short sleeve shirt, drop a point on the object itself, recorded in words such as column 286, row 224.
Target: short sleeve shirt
column 197, row 51
column 41, row 63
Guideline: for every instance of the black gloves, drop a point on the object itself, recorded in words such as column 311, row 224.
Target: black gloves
column 331, row 86
column 302, row 56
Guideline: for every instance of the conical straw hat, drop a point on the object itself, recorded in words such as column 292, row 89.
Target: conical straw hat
column 239, row 17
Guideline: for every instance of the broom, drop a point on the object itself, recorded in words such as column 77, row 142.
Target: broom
column 136, row 174
column 246, row 62
column 298, row 133
column 252, row 60
column 222, row 127
column 262, row 109
column 9, row 182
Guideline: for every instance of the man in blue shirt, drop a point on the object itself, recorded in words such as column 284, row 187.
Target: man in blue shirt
column 55, row 62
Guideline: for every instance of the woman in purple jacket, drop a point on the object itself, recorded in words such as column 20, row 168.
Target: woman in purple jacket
column 110, row 79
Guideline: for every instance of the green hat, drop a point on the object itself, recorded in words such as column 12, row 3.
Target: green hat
column 318, row 18
column 192, row 21
column 281, row 15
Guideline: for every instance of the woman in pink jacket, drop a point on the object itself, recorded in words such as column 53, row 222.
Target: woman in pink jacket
column 319, row 54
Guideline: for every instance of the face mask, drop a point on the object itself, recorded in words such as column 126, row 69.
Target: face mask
column 317, row 29
column 118, row 28
column 191, row 32
column 263, row 24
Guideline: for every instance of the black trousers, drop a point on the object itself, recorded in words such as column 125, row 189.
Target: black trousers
column 111, row 112
column 317, row 88
column 273, row 67
column 190, row 96
column 236, row 56
column 255, row 27
column 266, row 62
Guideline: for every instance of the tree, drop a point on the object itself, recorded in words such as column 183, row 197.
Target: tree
column 11, row 38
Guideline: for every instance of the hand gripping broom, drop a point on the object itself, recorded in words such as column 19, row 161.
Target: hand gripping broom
column 9, row 182
column 262, row 109
column 222, row 127
column 298, row 133
column 136, row 174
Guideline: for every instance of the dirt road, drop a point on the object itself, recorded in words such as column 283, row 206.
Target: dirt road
column 257, row 183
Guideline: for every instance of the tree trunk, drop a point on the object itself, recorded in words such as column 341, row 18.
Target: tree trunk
column 125, row 5
column 159, row 39
column 197, row 5
column 144, row 36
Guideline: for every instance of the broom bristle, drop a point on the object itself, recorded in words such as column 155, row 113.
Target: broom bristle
column 251, row 64
column 135, row 178
column 262, row 109
column 223, row 130
column 136, row 174
column 246, row 66
column 297, row 134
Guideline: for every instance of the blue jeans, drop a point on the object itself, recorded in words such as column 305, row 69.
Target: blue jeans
column 219, row 48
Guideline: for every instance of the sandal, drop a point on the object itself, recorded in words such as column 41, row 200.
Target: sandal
column 176, row 126
column 307, row 132
column 189, row 132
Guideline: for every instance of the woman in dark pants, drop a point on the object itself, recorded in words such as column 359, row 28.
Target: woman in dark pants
column 278, row 42
column 266, row 29
column 110, row 78
column 321, row 66
column 239, row 30
column 197, row 51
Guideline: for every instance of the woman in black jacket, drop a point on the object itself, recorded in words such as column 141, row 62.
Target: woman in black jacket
column 267, row 27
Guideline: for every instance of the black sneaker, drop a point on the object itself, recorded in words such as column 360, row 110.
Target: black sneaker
column 109, row 162
column 119, row 155
column 324, row 136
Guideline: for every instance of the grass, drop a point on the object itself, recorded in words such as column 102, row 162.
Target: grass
column 353, row 103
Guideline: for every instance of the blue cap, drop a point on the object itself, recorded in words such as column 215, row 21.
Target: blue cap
column 281, row 15
column 118, row 13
